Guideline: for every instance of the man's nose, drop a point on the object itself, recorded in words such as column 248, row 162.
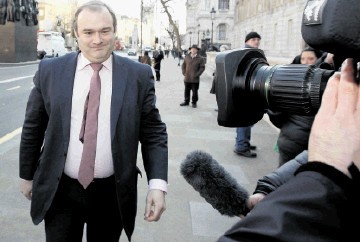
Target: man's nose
column 97, row 38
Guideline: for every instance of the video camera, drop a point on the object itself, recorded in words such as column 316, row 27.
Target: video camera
column 247, row 86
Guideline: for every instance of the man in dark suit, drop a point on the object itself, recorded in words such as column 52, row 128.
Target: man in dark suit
column 51, row 153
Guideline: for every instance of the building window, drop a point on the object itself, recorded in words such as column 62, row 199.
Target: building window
column 222, row 32
column 224, row 4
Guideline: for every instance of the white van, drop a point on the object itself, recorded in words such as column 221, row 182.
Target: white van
column 147, row 48
column 52, row 43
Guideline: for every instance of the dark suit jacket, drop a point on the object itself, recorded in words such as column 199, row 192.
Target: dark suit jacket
column 134, row 118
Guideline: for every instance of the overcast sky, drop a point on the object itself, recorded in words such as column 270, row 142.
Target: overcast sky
column 131, row 8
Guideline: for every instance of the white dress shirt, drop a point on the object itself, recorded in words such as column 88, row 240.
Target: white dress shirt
column 103, row 161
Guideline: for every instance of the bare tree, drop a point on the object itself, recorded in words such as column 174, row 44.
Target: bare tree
column 170, row 31
column 175, row 28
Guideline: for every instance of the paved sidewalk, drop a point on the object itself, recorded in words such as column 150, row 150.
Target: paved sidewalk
column 188, row 218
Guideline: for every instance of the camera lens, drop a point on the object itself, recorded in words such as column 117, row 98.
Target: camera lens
column 246, row 86
column 289, row 88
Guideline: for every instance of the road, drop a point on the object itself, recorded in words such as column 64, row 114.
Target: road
column 188, row 218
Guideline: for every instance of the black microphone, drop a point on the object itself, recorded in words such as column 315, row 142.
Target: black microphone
column 214, row 184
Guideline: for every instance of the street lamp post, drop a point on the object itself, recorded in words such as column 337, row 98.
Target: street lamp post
column 212, row 12
column 198, row 35
column 141, row 26
column 190, row 37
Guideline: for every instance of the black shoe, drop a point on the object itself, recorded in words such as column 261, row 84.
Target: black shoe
column 252, row 147
column 158, row 80
column 246, row 153
column 193, row 105
column 184, row 104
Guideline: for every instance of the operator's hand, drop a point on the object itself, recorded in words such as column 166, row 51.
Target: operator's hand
column 155, row 205
column 26, row 188
column 252, row 201
column 335, row 134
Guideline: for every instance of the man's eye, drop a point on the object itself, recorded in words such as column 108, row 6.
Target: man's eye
column 87, row 33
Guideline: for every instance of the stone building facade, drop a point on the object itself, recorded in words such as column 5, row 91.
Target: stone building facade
column 200, row 27
column 277, row 21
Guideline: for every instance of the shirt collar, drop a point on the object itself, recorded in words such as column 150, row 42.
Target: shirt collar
column 83, row 62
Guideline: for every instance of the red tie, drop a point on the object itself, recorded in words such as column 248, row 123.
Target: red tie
column 88, row 132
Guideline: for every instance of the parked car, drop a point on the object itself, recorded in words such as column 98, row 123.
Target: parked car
column 131, row 52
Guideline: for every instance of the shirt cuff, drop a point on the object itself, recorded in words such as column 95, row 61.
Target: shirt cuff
column 158, row 184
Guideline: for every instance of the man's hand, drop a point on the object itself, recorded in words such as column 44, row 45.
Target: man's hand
column 335, row 134
column 26, row 188
column 155, row 205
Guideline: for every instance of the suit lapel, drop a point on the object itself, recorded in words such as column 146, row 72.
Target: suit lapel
column 119, row 81
column 66, row 75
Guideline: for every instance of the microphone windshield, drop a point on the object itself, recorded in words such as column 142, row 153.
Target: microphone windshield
column 214, row 184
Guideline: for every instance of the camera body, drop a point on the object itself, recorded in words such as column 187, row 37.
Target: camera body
column 247, row 86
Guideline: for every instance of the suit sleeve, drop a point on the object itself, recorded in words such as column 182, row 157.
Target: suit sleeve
column 32, row 136
column 316, row 205
column 153, row 135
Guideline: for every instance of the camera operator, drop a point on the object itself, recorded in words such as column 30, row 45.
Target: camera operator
column 319, row 202
column 294, row 128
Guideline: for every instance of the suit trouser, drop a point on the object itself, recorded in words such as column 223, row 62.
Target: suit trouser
column 243, row 135
column 73, row 206
column 194, row 87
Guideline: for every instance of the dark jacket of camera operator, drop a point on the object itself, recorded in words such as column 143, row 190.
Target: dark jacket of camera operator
column 294, row 135
column 323, row 213
column 275, row 179
column 192, row 68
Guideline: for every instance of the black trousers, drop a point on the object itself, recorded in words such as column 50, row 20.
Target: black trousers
column 157, row 73
column 194, row 87
column 73, row 206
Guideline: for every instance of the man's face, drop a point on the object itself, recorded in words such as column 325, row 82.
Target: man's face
column 95, row 35
column 253, row 42
column 194, row 51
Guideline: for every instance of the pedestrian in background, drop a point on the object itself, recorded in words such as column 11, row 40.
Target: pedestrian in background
column 167, row 52
column 158, row 57
column 243, row 134
column 192, row 68
column 145, row 59
column 81, row 134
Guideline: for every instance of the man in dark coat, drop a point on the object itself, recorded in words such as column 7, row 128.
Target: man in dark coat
column 51, row 153
column 192, row 68
column 158, row 57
